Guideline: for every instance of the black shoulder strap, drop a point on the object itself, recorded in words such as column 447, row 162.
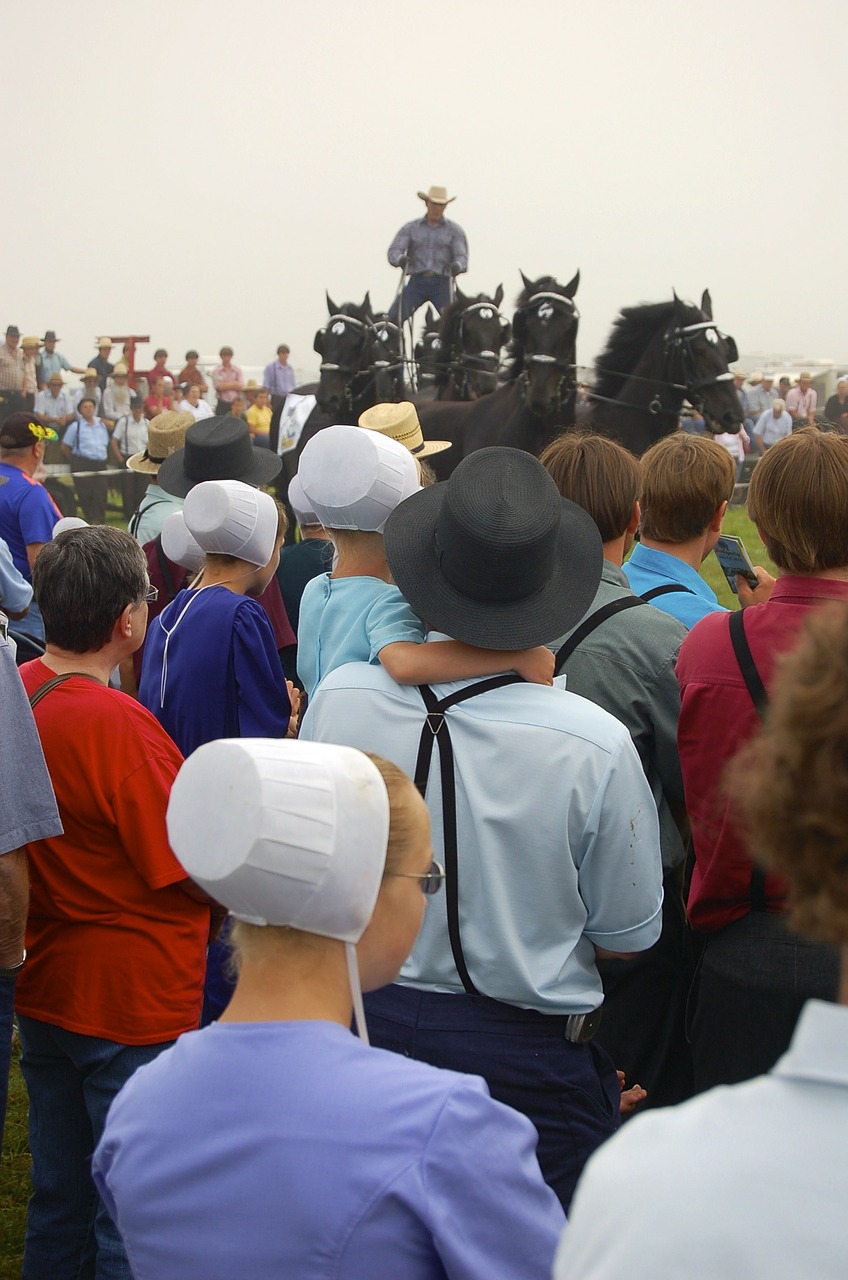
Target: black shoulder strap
column 435, row 728
column 45, row 688
column 757, row 690
column 665, row 591
column 141, row 510
column 590, row 624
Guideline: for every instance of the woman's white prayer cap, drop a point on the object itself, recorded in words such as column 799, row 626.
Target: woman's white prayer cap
column 303, row 513
column 67, row 523
column 179, row 545
column 354, row 479
column 228, row 517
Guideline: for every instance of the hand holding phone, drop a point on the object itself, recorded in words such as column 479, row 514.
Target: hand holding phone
column 734, row 559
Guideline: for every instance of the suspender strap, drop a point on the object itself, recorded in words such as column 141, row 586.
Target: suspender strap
column 45, row 688
column 665, row 591
column 141, row 510
column 757, row 690
column 436, row 728
column 591, row 624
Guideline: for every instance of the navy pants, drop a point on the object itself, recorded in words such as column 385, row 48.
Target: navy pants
column 570, row 1092
column 418, row 290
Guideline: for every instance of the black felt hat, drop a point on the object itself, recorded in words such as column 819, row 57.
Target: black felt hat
column 217, row 449
column 495, row 556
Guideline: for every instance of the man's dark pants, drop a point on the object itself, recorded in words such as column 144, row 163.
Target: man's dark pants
column 420, row 288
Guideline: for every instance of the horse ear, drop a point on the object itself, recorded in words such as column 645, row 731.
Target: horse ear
column 366, row 305
column 318, row 344
column 528, row 284
column 707, row 304
column 571, row 288
column 331, row 306
column 499, row 295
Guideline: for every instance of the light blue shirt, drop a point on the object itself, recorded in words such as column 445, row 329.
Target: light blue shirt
column 771, row 429
column 430, row 248
column 557, row 830
column 51, row 406
column 48, row 364
column 349, row 620
column 648, row 568
column 293, row 1151
column 88, row 439
column 278, row 378
column 15, row 591
column 153, row 511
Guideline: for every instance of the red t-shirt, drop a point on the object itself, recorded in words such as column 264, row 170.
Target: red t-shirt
column 717, row 716
column 114, row 948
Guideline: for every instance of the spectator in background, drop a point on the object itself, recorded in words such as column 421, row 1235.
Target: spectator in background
column 90, row 387
column 52, row 361
column 27, row 512
column 30, row 348
column 258, row 418
column 784, row 386
column 192, row 403
column 159, row 370
column 158, row 399
column 116, row 398
column 837, row 404
column 86, row 446
column 55, row 406
column 761, row 396
column 191, row 374
column 228, row 381
column 739, row 379
column 801, row 402
column 772, row 426
column 11, row 373
column 101, row 362
column 130, row 438
column 279, row 377
column 165, row 435
column 237, row 408
column 737, row 445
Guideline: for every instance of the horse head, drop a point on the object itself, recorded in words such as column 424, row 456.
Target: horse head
column 473, row 332
column 699, row 355
column 427, row 348
column 386, row 360
column 544, row 342
column 344, row 346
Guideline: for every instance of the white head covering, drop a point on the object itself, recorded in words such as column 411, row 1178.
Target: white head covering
column 297, row 501
column 68, row 522
column 354, row 479
column 285, row 833
column 179, row 545
column 228, row 517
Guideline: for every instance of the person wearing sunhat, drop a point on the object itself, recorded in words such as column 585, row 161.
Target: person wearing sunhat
column 166, row 434
column 553, row 852
column 27, row 512
column 101, row 362
column 276, row 1140
column 52, row 361
column 116, row 397
column 91, row 388
column 30, row 347
column 55, row 405
column 429, row 250
column 11, row 373
column 400, row 422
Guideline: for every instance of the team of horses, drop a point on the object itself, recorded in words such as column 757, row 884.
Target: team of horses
column 657, row 357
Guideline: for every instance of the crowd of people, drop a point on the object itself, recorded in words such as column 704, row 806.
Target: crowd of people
column 238, row 770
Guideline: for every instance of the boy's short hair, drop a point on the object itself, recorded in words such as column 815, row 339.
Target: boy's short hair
column 685, row 479
column 225, row 351
column 192, row 355
column 282, row 347
column 86, row 400
column 160, row 352
column 83, row 582
column 599, row 475
column 798, row 499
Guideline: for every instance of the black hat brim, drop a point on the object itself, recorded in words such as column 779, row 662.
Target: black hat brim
column 265, row 466
column 535, row 619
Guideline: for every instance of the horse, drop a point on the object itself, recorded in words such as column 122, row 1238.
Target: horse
column 387, row 360
column 472, row 333
column 344, row 345
column 538, row 400
column 427, row 350
column 658, row 355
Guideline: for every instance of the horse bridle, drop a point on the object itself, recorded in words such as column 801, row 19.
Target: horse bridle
column 678, row 342
column 469, row 362
column 568, row 380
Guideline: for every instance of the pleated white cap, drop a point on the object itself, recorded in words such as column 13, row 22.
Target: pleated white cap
column 354, row 479
column 179, row 545
column 297, row 501
column 231, row 518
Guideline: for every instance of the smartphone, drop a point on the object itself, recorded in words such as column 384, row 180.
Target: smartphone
column 734, row 559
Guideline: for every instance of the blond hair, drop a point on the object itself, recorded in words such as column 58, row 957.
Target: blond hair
column 798, row 499
column 685, row 479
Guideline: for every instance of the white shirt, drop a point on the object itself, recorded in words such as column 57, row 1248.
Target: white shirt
column 200, row 410
column 771, row 429
column 744, row 1181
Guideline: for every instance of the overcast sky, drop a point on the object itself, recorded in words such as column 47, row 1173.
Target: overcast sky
column 202, row 171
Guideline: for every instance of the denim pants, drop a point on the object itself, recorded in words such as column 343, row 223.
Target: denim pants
column 570, row 1092
column 418, row 290
column 71, row 1081
column 7, row 1013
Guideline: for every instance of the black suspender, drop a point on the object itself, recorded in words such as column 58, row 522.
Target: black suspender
column 141, row 510
column 435, row 728
column 757, row 690
column 665, row 591
column 590, row 624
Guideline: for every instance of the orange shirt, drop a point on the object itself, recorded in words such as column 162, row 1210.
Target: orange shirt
column 114, row 948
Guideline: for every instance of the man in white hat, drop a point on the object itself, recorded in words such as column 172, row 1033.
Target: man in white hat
column 431, row 250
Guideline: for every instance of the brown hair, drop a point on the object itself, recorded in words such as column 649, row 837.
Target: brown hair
column 791, row 780
column 685, row 479
column 599, row 475
column 798, row 499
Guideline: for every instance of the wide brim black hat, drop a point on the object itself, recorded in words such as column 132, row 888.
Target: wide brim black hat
column 495, row 556
column 217, row 449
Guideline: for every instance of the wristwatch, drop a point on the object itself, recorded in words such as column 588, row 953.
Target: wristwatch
column 13, row 970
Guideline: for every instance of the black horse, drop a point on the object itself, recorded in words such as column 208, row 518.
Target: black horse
column 427, row 350
column 537, row 401
column 658, row 355
column 345, row 345
column 387, row 362
column 468, row 359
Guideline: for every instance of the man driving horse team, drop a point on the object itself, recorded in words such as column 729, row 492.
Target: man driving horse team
column 432, row 250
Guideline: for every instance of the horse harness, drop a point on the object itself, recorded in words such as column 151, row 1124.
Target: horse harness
column 678, row 343
column 549, row 301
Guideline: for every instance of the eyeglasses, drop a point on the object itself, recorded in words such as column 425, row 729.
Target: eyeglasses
column 431, row 881
column 151, row 594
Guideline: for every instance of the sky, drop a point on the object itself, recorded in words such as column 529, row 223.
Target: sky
column 202, row 171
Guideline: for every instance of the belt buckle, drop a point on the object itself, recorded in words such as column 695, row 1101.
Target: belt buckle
column 580, row 1028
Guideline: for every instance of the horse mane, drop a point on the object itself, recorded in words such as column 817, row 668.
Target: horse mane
column 515, row 351
column 632, row 331
column 449, row 329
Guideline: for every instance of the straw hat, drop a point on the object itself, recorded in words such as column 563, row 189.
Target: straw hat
column 30, row 342
column 400, row 422
column 120, row 371
column 56, row 377
column 90, row 373
column 227, row 517
column 436, row 195
column 179, row 545
column 165, row 435
column 354, row 479
column 103, row 342
column 755, row 379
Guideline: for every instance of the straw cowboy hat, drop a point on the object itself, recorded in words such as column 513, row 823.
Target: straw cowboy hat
column 436, row 195
column 400, row 422
column 165, row 435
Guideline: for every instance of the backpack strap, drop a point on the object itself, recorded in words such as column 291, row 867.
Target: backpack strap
column 436, row 729
column 757, row 690
column 665, row 590
column 44, row 689
column 590, row 624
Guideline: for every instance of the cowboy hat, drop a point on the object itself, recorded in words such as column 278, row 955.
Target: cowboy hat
column 165, row 434
column 436, row 195
column 400, row 422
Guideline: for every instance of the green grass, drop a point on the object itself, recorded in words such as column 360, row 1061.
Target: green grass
column 738, row 523
column 14, row 1178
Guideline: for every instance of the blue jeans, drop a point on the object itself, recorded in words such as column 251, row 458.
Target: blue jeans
column 569, row 1091
column 7, row 1013
column 418, row 290
column 71, row 1081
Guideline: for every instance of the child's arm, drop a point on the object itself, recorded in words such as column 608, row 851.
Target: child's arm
column 410, row 663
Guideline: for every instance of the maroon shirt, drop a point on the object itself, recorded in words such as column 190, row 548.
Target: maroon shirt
column 717, row 716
